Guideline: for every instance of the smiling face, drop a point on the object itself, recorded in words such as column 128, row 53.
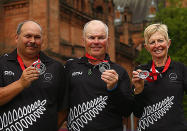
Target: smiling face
column 29, row 40
column 158, row 46
column 96, row 40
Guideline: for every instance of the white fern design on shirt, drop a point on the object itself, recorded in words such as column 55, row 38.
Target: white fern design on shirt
column 18, row 120
column 80, row 115
column 154, row 113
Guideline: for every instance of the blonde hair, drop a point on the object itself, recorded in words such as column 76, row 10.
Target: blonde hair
column 153, row 28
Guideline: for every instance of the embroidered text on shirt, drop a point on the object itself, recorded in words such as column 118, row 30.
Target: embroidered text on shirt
column 8, row 73
column 76, row 73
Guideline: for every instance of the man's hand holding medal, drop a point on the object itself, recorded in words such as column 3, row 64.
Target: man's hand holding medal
column 108, row 75
column 40, row 67
column 32, row 73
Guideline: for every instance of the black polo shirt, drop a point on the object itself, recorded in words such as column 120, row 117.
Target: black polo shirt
column 92, row 106
column 161, row 100
column 36, row 107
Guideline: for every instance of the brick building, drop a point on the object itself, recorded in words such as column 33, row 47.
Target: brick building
column 62, row 22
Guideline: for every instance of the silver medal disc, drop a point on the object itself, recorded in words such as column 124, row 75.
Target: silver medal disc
column 104, row 66
column 143, row 74
column 40, row 67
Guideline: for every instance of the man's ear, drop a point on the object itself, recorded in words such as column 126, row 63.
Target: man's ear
column 83, row 40
column 16, row 38
column 108, row 38
column 108, row 42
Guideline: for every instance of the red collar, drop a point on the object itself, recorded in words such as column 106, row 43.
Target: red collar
column 93, row 58
column 154, row 74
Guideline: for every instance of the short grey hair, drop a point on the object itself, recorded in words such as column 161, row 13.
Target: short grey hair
column 153, row 28
column 18, row 31
column 85, row 27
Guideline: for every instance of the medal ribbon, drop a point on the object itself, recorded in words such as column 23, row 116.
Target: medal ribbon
column 22, row 64
column 154, row 73
column 93, row 58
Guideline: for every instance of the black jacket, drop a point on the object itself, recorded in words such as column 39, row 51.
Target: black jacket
column 92, row 106
column 160, row 103
column 36, row 107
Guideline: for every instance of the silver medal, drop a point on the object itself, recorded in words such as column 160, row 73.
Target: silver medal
column 143, row 74
column 40, row 67
column 104, row 66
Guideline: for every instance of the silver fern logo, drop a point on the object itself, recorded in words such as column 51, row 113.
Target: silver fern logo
column 154, row 113
column 80, row 116
column 18, row 120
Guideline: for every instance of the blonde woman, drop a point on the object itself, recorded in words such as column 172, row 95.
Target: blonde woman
column 159, row 86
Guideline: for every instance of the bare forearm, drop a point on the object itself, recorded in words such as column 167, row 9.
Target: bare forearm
column 62, row 117
column 7, row 93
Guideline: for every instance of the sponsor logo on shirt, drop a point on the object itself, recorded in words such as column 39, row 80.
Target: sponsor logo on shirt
column 77, row 73
column 8, row 73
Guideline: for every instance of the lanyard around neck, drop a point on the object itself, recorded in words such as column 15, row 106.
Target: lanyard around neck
column 20, row 61
column 93, row 58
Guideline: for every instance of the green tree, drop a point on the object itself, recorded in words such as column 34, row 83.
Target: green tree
column 176, row 20
column 175, row 17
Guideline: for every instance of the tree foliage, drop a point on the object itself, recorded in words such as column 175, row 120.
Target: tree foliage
column 176, row 20
column 175, row 17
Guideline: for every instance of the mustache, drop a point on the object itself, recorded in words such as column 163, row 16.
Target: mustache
column 31, row 45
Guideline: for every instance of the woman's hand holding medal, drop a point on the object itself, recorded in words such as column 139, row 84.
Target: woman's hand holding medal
column 138, row 77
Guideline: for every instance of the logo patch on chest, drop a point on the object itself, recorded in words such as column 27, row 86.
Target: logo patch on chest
column 173, row 76
column 48, row 76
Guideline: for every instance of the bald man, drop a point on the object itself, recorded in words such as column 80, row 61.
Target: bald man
column 33, row 93
column 100, row 93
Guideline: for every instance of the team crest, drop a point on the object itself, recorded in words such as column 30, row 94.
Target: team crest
column 173, row 76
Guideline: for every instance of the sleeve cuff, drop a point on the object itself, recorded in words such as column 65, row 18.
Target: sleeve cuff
column 112, row 88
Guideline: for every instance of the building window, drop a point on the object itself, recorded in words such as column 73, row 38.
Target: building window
column 99, row 9
column 109, row 9
column 125, row 18
column 82, row 5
